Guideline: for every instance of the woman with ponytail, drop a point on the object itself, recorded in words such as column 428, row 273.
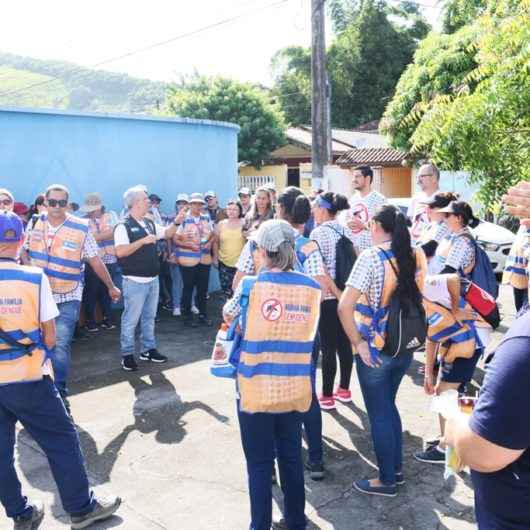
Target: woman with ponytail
column 390, row 268
column 333, row 340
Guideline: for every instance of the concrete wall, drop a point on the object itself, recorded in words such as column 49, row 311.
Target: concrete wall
column 110, row 153
column 278, row 172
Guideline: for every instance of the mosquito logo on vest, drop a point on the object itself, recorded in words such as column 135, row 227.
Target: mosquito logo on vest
column 271, row 309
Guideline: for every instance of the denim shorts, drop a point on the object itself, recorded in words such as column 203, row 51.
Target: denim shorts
column 460, row 370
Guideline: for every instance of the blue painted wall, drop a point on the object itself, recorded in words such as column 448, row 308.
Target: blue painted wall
column 110, row 153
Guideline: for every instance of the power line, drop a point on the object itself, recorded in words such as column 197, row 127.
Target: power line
column 156, row 45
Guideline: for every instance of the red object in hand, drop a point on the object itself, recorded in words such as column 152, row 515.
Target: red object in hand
column 482, row 302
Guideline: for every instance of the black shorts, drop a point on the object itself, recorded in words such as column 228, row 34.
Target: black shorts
column 460, row 370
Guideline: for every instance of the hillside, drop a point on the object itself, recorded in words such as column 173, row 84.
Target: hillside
column 28, row 82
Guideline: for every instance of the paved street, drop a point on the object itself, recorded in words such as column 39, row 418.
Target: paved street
column 166, row 439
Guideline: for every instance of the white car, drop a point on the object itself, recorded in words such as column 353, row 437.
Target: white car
column 494, row 239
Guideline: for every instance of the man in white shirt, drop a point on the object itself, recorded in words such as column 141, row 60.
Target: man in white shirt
column 363, row 205
column 135, row 242
column 428, row 179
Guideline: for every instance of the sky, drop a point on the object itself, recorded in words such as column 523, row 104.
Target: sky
column 89, row 33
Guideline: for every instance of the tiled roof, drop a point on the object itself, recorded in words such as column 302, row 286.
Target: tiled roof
column 386, row 157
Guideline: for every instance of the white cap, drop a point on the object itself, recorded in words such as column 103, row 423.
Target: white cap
column 182, row 197
column 271, row 234
column 244, row 191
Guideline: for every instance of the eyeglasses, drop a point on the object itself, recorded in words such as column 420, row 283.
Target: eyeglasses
column 61, row 203
column 6, row 202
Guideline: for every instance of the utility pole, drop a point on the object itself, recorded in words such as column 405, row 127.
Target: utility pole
column 320, row 110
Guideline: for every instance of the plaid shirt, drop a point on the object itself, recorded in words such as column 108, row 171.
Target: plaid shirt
column 462, row 252
column 90, row 250
column 368, row 275
column 326, row 239
column 313, row 265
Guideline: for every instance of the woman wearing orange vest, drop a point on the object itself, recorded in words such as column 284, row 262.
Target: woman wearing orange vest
column 194, row 254
column 101, row 225
column 278, row 319
column 28, row 394
column 391, row 268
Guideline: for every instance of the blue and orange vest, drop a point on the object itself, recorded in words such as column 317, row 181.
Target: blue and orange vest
column 62, row 261
column 456, row 340
column 195, row 234
column 515, row 271
column 279, row 321
column 102, row 224
column 371, row 322
column 19, row 319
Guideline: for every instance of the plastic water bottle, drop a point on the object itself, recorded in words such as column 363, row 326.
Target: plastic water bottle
column 220, row 365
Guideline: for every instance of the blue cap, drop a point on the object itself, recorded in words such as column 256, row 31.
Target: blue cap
column 11, row 228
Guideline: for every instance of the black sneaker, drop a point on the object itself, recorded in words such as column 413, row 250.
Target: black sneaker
column 280, row 525
column 203, row 321
column 91, row 328
column 430, row 444
column 32, row 522
column 316, row 470
column 154, row 356
column 107, row 324
column 400, row 479
column 103, row 509
column 431, row 456
column 128, row 363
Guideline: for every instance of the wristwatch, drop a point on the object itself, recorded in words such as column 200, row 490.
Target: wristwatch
column 175, row 222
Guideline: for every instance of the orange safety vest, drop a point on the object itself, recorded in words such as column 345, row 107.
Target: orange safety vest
column 62, row 261
column 196, row 234
column 455, row 339
column 279, row 324
column 102, row 224
column 19, row 320
column 515, row 271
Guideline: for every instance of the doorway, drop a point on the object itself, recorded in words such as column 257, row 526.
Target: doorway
column 293, row 176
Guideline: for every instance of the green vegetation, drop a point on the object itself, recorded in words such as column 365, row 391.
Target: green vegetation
column 374, row 42
column 27, row 82
column 249, row 106
column 465, row 99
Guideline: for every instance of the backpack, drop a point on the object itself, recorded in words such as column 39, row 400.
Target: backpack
column 406, row 326
column 344, row 259
column 482, row 273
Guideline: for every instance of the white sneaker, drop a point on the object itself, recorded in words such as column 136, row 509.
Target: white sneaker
column 194, row 309
column 176, row 312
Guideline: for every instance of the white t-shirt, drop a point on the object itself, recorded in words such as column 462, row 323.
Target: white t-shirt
column 417, row 213
column 48, row 311
column 122, row 238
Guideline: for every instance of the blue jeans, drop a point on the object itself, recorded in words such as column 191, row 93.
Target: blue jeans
column 39, row 408
column 65, row 326
column 312, row 419
column 265, row 436
column 176, row 291
column 140, row 302
column 379, row 387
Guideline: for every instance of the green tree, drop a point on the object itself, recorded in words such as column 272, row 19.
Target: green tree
column 216, row 98
column 374, row 43
column 465, row 100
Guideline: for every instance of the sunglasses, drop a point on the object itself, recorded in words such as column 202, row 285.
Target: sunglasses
column 6, row 202
column 61, row 203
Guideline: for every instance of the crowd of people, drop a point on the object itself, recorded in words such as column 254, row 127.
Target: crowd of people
column 302, row 275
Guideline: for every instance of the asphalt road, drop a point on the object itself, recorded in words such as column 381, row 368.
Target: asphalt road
column 166, row 439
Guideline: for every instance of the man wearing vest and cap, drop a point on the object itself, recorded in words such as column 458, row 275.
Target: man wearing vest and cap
column 135, row 241
column 28, row 395
column 213, row 209
column 194, row 240
column 101, row 225
column 59, row 243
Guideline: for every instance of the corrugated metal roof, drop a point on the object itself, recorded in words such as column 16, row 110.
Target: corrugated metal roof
column 386, row 157
column 342, row 139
